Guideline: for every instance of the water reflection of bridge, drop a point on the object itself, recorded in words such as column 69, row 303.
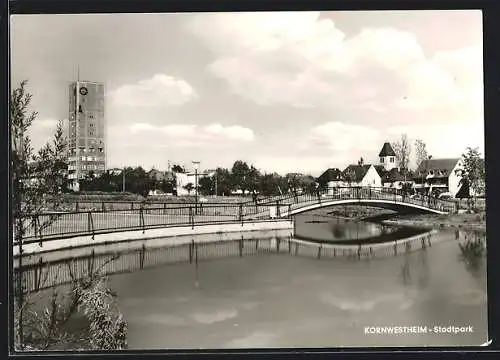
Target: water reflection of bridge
column 40, row 273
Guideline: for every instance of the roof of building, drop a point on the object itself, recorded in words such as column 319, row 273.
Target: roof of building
column 380, row 170
column 443, row 167
column 394, row 175
column 359, row 171
column 332, row 174
column 387, row 150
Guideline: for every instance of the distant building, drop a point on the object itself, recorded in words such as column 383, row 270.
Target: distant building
column 182, row 179
column 115, row 171
column 387, row 157
column 438, row 176
column 331, row 178
column 362, row 175
column 87, row 130
column 157, row 175
column 395, row 178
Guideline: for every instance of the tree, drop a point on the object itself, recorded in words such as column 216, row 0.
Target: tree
column 224, row 181
column 420, row 151
column 252, row 179
column 189, row 187
column 177, row 169
column 402, row 148
column 350, row 176
column 472, row 170
column 36, row 176
column 239, row 173
column 207, row 185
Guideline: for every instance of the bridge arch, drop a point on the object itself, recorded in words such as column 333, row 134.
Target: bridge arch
column 386, row 204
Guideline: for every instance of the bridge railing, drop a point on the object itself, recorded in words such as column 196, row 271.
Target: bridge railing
column 361, row 193
column 52, row 226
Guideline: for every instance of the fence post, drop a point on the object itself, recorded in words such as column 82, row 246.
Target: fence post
column 290, row 212
column 164, row 208
column 91, row 224
column 191, row 250
column 278, row 210
column 141, row 259
column 35, row 223
column 141, row 220
column 241, row 213
column 103, row 207
column 278, row 245
column 77, row 207
column 241, row 246
column 319, row 250
column 191, row 217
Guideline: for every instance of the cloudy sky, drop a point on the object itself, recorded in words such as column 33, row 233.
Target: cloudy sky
column 287, row 91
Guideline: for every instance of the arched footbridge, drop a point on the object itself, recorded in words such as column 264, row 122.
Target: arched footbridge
column 392, row 199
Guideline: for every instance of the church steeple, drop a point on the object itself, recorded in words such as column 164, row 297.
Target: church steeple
column 387, row 157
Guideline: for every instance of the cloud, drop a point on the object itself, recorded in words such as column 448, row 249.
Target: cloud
column 299, row 59
column 179, row 135
column 42, row 130
column 235, row 132
column 346, row 143
column 159, row 91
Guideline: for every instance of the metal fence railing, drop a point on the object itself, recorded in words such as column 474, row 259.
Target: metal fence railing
column 48, row 226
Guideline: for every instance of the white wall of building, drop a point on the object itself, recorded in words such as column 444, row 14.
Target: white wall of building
column 334, row 184
column 454, row 180
column 388, row 162
column 371, row 178
column 182, row 179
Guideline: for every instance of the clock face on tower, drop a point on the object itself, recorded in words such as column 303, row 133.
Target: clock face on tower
column 83, row 91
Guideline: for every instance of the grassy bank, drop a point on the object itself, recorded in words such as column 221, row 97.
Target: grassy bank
column 430, row 221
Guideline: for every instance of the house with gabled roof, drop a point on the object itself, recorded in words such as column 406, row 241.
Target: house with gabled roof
column 396, row 178
column 330, row 179
column 361, row 175
column 438, row 176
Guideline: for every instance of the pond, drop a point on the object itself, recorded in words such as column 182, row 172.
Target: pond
column 280, row 299
column 284, row 301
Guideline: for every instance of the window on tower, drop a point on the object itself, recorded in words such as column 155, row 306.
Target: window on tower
column 381, row 160
column 392, row 159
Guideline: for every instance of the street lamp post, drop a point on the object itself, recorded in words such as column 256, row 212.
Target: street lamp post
column 196, row 164
column 123, row 179
column 215, row 183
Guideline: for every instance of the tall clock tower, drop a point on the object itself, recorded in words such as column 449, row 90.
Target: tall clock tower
column 87, row 130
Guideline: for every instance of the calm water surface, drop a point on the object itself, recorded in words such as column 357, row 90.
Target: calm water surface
column 279, row 300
